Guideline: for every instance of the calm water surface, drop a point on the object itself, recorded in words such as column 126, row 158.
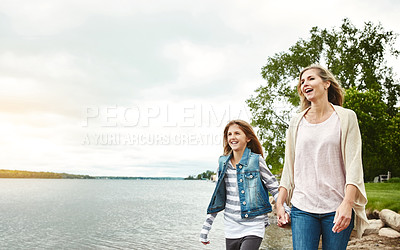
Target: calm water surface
column 111, row 214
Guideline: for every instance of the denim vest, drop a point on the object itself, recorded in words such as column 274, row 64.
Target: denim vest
column 253, row 195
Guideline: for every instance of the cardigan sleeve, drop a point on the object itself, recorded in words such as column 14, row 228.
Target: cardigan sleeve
column 287, row 178
column 353, row 159
column 351, row 150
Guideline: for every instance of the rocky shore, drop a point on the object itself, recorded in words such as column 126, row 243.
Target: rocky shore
column 374, row 241
column 382, row 233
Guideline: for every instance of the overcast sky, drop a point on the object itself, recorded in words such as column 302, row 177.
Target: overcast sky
column 143, row 88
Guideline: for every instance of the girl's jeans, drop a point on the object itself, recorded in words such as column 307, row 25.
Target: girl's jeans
column 307, row 228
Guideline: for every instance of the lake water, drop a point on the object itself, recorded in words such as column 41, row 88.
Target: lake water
column 112, row 214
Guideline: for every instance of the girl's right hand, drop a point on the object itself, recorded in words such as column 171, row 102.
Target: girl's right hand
column 283, row 217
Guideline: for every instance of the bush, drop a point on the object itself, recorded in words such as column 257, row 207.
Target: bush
column 394, row 180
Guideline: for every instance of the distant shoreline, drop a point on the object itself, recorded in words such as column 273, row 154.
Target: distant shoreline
column 136, row 178
column 21, row 174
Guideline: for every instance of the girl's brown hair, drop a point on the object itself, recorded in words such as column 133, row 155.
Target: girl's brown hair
column 335, row 91
column 254, row 144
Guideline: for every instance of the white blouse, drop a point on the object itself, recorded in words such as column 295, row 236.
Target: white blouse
column 319, row 173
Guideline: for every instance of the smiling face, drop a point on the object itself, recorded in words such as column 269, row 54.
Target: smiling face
column 236, row 138
column 312, row 86
column 235, row 132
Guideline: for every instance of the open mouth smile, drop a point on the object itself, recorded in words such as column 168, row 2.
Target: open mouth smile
column 308, row 90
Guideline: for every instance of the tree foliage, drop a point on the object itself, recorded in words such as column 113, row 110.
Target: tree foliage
column 357, row 57
column 378, row 129
column 203, row 176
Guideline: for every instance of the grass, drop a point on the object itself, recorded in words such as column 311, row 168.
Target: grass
column 383, row 195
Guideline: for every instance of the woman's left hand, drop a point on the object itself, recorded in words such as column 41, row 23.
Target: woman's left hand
column 343, row 216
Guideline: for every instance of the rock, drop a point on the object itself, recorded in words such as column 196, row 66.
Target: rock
column 390, row 218
column 375, row 214
column 353, row 235
column 388, row 232
column 271, row 200
column 374, row 226
column 372, row 214
column 374, row 242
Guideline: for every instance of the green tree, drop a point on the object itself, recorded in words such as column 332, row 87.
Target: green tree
column 190, row 177
column 357, row 57
column 377, row 130
column 205, row 175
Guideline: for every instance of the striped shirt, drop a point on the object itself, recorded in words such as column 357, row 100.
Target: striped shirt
column 235, row 225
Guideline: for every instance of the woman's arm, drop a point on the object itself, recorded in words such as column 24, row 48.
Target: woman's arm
column 270, row 182
column 343, row 213
column 283, row 217
column 282, row 196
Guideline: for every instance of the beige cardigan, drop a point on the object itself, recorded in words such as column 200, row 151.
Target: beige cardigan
column 351, row 152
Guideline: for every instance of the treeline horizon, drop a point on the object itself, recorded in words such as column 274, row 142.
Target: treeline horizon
column 5, row 173
column 203, row 176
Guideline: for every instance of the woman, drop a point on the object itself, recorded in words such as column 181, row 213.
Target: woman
column 322, row 176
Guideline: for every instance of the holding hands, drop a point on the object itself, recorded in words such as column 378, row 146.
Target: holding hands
column 283, row 216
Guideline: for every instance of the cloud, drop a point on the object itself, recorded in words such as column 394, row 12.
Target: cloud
column 142, row 66
column 196, row 61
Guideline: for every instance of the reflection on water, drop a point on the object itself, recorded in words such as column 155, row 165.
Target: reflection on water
column 112, row 214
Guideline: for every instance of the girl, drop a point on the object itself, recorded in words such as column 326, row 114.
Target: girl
column 322, row 175
column 242, row 190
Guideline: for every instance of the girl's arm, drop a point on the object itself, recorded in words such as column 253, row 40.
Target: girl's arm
column 206, row 228
column 270, row 182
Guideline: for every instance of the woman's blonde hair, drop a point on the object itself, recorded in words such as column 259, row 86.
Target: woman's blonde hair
column 254, row 144
column 335, row 91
